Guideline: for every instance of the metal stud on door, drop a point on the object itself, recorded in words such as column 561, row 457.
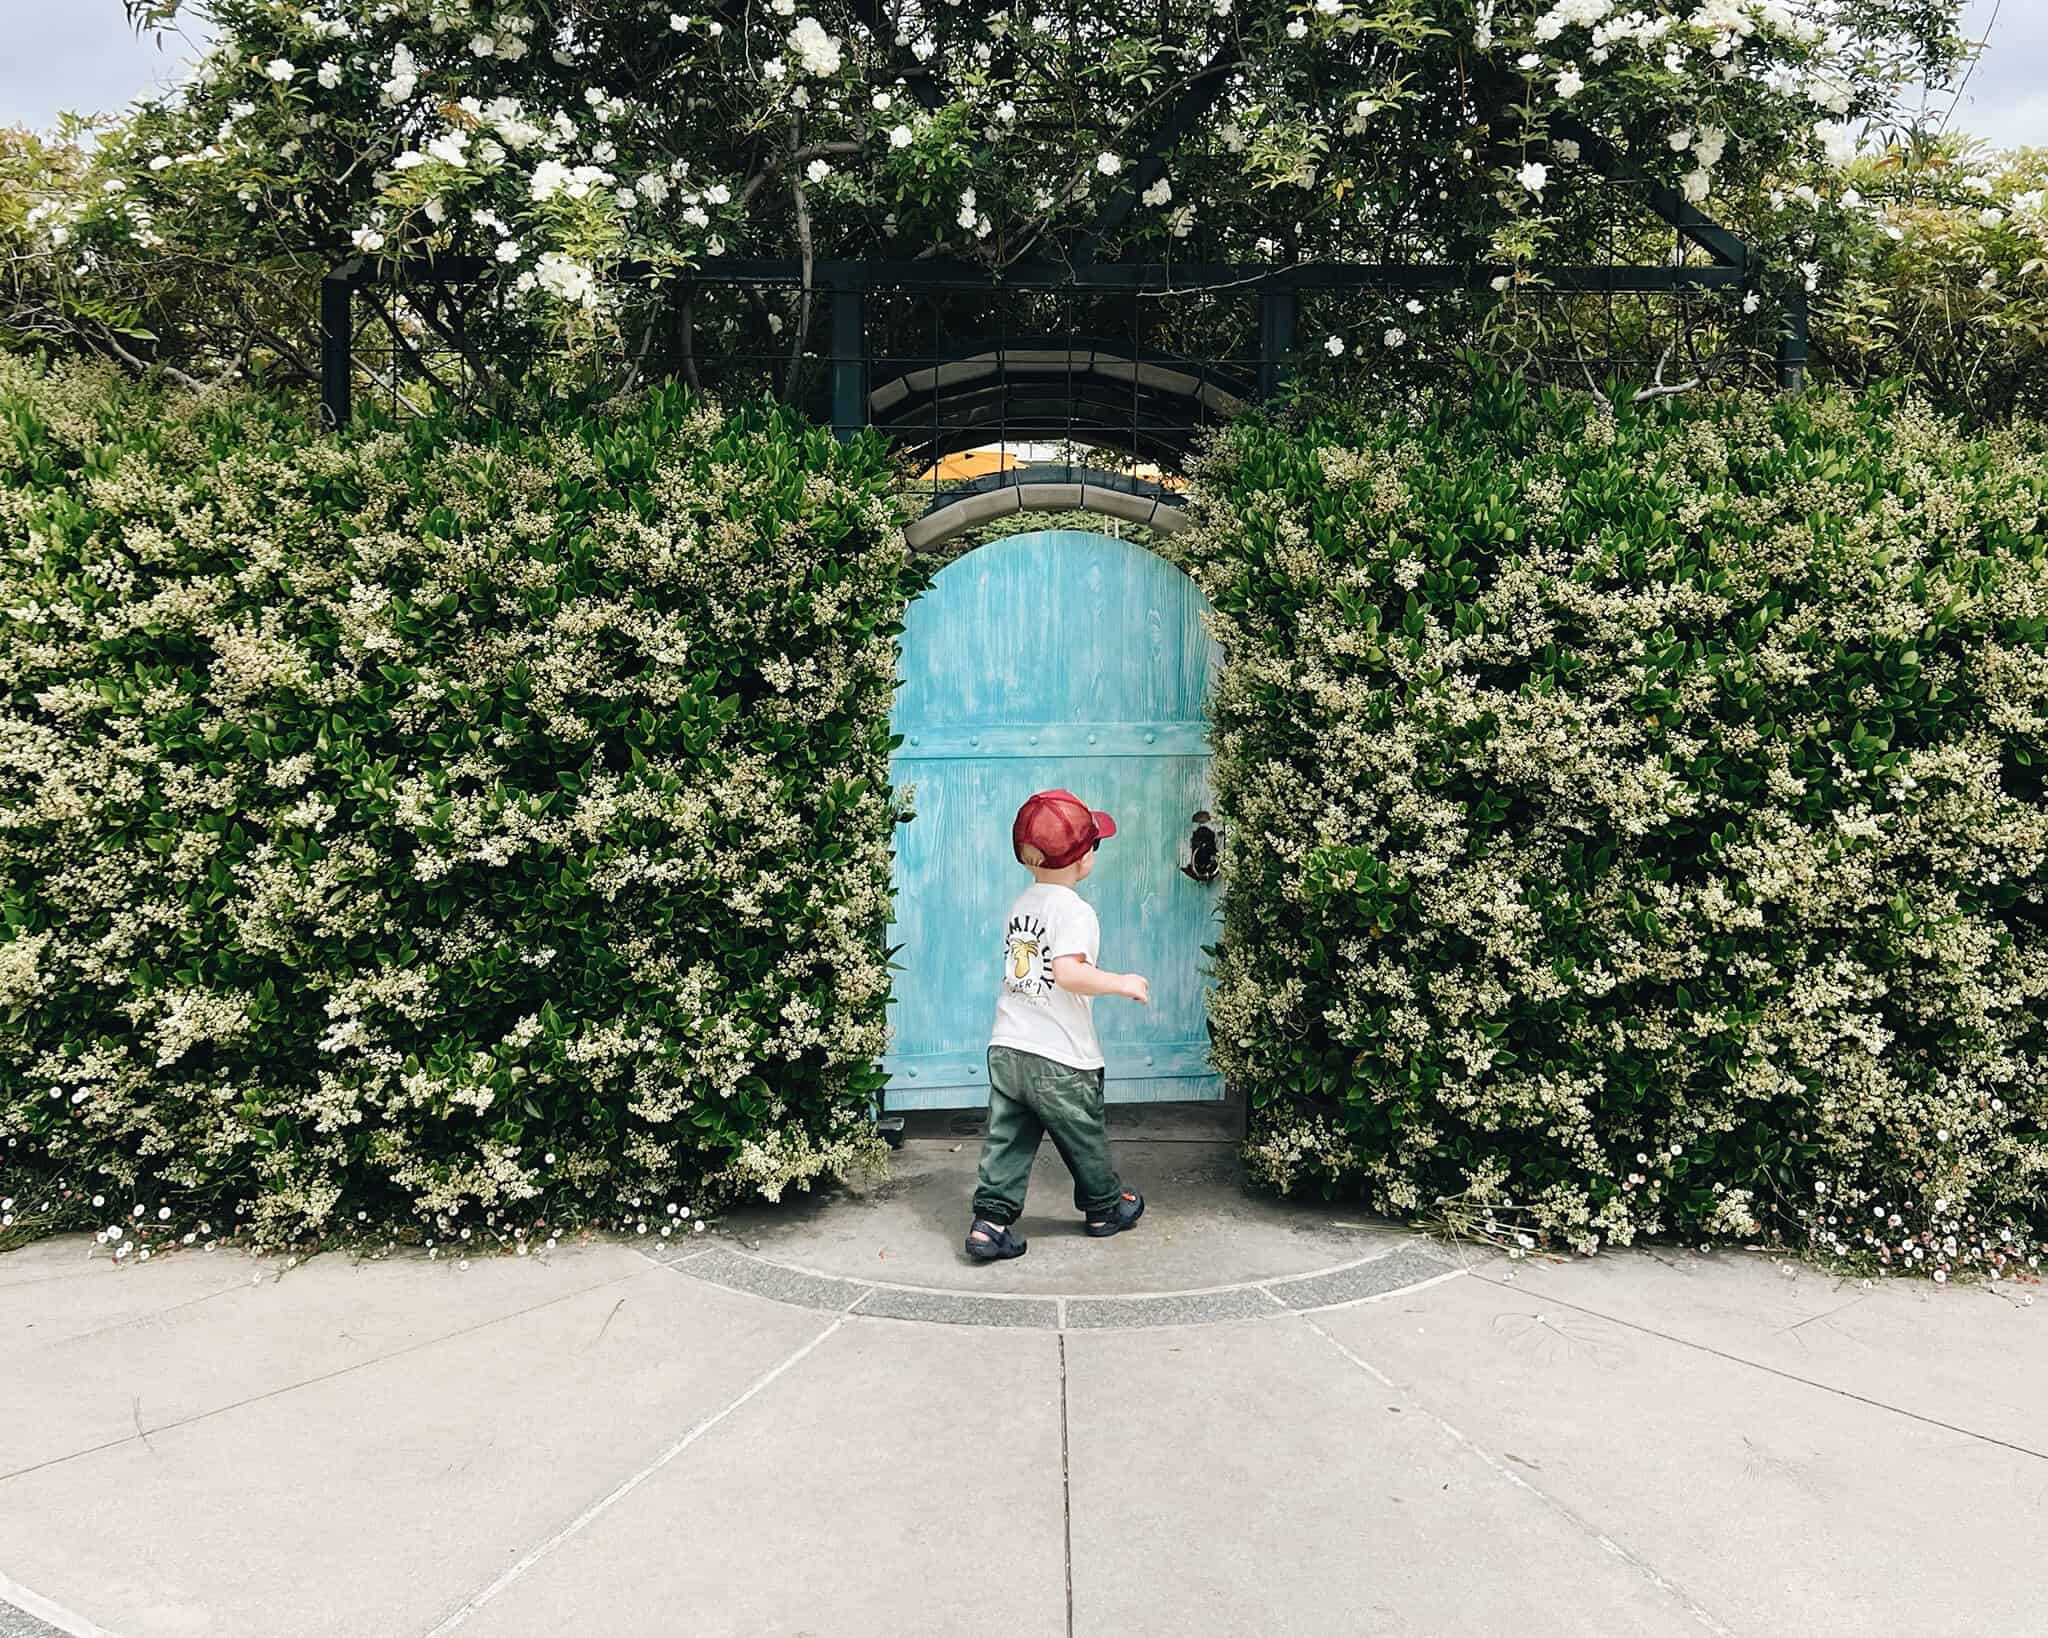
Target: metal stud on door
column 1063, row 659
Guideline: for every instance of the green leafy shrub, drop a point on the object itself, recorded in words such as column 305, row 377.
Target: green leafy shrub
column 412, row 824
column 1636, row 823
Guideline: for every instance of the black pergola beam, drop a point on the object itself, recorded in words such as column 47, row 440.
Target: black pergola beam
column 337, row 342
column 1727, row 249
column 849, row 363
column 1278, row 311
column 846, row 283
column 1793, row 338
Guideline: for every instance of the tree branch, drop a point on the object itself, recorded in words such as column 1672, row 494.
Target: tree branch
column 798, row 156
column 807, row 252
column 687, row 317
column 111, row 342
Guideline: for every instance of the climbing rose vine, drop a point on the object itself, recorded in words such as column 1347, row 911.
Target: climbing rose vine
column 582, row 150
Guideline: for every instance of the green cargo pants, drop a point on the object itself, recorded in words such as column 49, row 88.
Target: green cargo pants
column 1030, row 1097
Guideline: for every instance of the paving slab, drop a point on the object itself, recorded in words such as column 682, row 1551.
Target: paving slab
column 835, row 1503
column 128, row 1350
column 370, row 1503
column 1647, row 1442
column 1779, row 1506
column 1248, row 1478
column 1972, row 1354
column 1201, row 1229
column 79, row 1296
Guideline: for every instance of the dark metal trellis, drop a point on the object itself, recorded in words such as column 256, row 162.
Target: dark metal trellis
column 1056, row 350
column 1076, row 345
column 847, row 285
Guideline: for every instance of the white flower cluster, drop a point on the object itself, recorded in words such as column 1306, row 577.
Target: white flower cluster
column 816, row 50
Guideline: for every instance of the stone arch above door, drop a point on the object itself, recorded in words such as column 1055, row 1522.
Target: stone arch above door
column 1046, row 489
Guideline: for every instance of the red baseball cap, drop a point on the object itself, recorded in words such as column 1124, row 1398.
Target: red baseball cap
column 1060, row 827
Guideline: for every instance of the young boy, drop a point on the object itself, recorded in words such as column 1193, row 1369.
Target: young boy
column 1044, row 1064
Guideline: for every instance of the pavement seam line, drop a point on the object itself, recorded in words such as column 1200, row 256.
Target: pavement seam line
column 144, row 1319
column 1066, row 1484
column 47, row 1611
column 626, row 1487
column 1789, row 1376
column 671, row 1262
column 324, row 1376
column 1585, row 1526
column 105, row 1266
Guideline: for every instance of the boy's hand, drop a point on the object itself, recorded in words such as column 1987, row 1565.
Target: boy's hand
column 1137, row 989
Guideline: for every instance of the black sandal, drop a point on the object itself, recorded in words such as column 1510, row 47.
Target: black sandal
column 1115, row 1219
column 997, row 1244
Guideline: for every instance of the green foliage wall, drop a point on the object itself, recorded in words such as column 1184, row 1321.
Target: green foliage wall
column 1636, row 823
column 405, row 824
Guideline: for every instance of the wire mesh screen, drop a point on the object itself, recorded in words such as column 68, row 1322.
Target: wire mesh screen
column 401, row 366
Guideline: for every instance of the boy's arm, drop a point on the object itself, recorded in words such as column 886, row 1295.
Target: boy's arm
column 1081, row 976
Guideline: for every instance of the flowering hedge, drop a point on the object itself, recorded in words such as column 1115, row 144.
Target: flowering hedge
column 433, row 828
column 1637, row 822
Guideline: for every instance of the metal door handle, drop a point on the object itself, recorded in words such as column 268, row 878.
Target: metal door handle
column 1201, row 860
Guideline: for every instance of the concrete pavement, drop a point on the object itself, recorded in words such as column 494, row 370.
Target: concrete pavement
column 1242, row 1418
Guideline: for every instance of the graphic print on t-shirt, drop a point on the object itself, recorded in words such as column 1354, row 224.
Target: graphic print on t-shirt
column 1027, row 959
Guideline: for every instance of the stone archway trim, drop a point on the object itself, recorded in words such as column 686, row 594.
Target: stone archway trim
column 1161, row 512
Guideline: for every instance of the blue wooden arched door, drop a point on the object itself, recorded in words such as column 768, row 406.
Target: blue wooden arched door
column 1059, row 659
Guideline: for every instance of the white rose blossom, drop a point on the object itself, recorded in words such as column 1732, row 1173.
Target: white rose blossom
column 817, row 51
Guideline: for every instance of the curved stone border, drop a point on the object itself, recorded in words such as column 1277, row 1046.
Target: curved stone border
column 1046, row 489
column 1383, row 1274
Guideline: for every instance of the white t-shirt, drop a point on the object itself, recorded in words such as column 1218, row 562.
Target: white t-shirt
column 1033, row 1014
